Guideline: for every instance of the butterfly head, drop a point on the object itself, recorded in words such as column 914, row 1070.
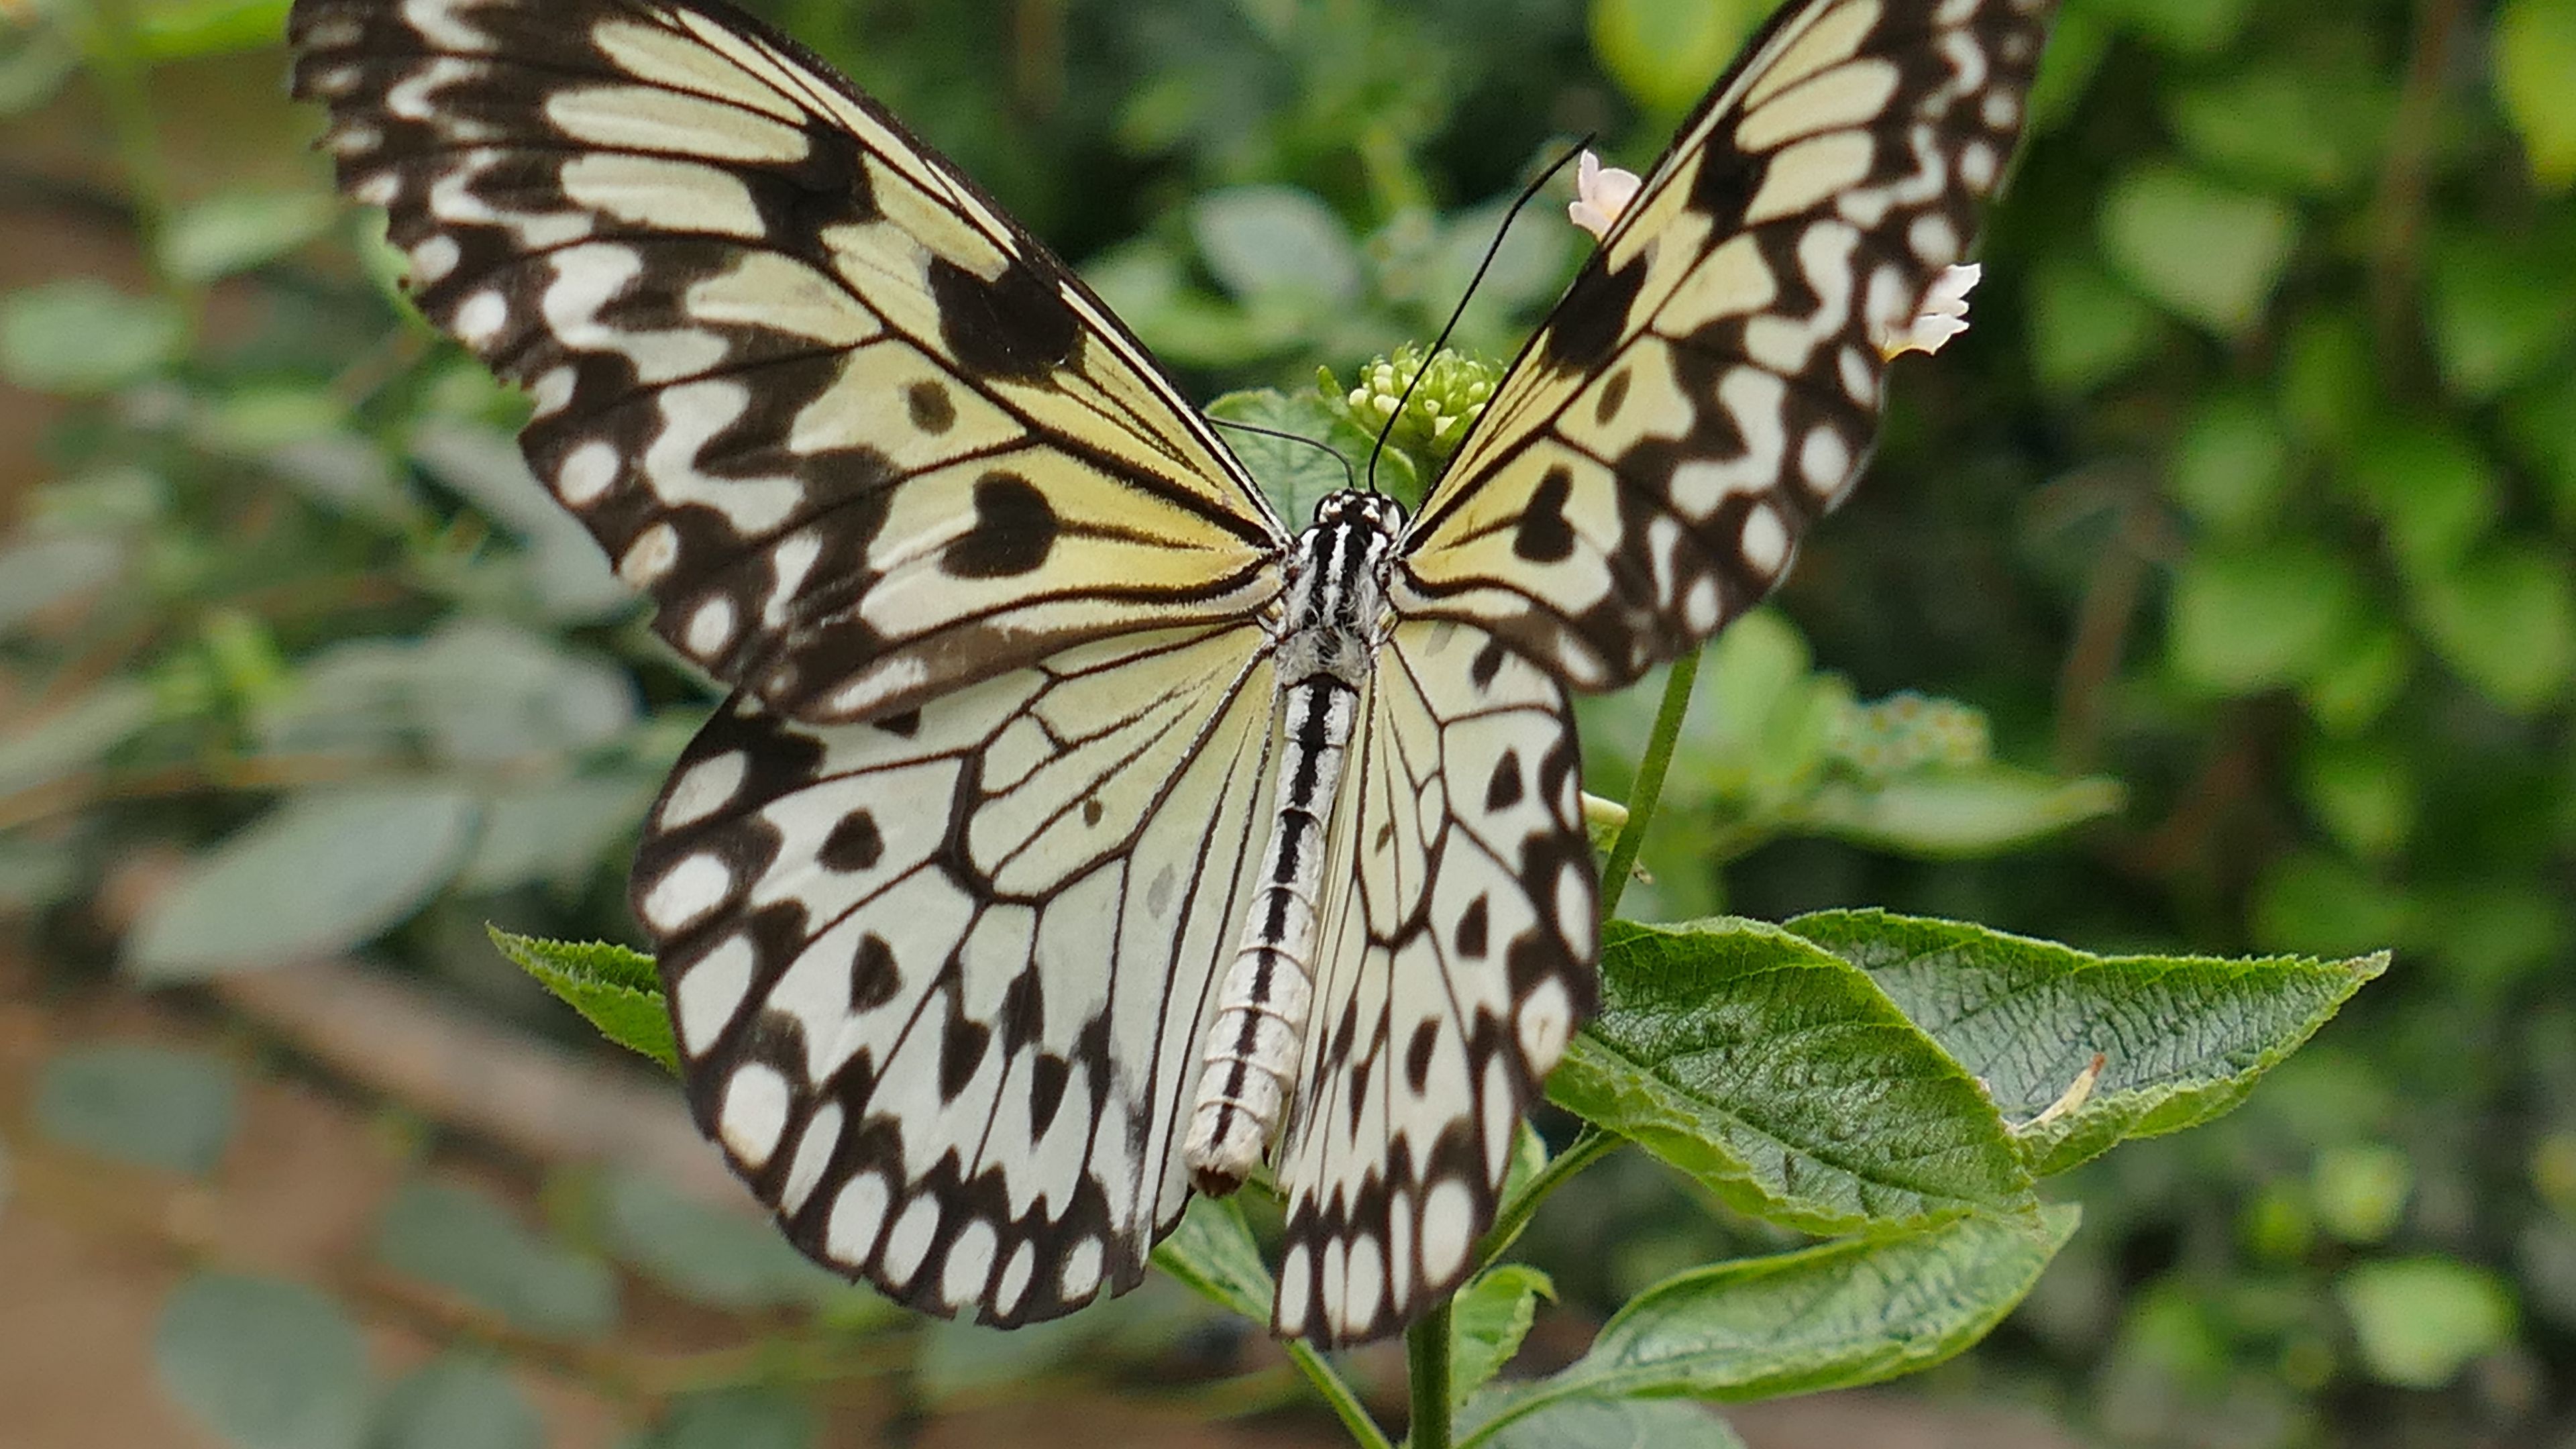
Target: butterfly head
column 1337, row 586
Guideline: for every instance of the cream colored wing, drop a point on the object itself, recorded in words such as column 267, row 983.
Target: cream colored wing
column 1454, row 959
column 861, row 437
column 1711, row 383
column 938, row 979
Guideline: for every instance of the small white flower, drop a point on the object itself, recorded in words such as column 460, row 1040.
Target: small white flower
column 1600, row 194
column 1944, row 315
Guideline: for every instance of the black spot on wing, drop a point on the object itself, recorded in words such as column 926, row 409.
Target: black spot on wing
column 1504, row 789
column 1015, row 529
column 874, row 978
column 932, row 409
column 1594, row 315
column 854, row 845
column 1016, row 326
column 1426, row 1037
column 1473, row 925
column 1544, row 535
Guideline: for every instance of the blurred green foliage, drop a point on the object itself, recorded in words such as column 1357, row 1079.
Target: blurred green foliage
column 2253, row 490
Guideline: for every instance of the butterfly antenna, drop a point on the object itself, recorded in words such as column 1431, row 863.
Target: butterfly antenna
column 1325, row 448
column 1493, row 249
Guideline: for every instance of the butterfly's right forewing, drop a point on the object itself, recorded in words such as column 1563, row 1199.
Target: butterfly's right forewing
column 861, row 437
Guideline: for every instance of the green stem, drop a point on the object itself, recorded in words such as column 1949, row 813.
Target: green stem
column 1337, row 1392
column 116, row 66
column 1426, row 1351
column 1589, row 1146
column 1650, row 780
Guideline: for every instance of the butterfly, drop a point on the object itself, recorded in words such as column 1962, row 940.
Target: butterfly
column 1079, row 835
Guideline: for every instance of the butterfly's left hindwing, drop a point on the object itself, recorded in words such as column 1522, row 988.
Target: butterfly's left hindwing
column 938, row 980
column 1711, row 383
column 861, row 437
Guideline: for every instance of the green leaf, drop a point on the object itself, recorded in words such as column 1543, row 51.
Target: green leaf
column 1837, row 1315
column 2360, row 1190
column 1783, row 1080
column 734, row 1418
column 553, row 834
column 2364, row 792
column 238, row 230
column 1664, row 53
column 2419, row 1321
column 1213, row 1254
column 183, row 29
column 2085, row 328
column 264, row 1363
column 2505, row 618
column 75, row 736
column 2499, row 309
column 472, row 691
column 2312, row 901
column 2183, row 1038
column 467, row 1243
column 2542, row 422
column 2431, row 490
column 2316, row 129
column 142, row 1104
column 616, row 990
column 326, row 871
column 1488, row 1319
column 1294, row 475
column 456, row 1402
column 47, row 571
column 2188, row 27
column 724, row 1258
column 2535, row 53
column 2231, row 467
column 2329, row 386
column 2247, row 620
column 2364, row 676
column 2208, row 252
column 81, row 337
column 1276, row 241
column 1580, row 1423
column 1962, row 814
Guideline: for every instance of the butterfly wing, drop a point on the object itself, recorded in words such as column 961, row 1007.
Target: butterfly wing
column 938, row 979
column 1455, row 958
column 1711, row 383
column 861, row 437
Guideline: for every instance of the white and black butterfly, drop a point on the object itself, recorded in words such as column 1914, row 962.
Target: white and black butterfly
column 1079, row 834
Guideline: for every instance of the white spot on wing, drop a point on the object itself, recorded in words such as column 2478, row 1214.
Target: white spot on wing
column 696, row 885
column 858, row 1220
column 754, row 1114
column 711, row 992
column 703, row 789
column 970, row 1262
column 910, row 1241
column 813, row 1154
column 1448, row 1225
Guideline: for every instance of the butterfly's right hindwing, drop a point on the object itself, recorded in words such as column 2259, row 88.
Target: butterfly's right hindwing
column 860, row 436
column 938, row 979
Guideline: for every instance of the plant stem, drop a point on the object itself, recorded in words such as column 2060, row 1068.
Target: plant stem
column 1650, row 779
column 116, row 67
column 1426, row 1351
column 1337, row 1392
column 1589, row 1146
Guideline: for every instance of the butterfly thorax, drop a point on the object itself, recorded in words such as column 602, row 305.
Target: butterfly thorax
column 1327, row 647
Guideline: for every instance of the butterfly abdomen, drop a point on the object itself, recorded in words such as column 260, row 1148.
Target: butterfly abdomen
column 1327, row 646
